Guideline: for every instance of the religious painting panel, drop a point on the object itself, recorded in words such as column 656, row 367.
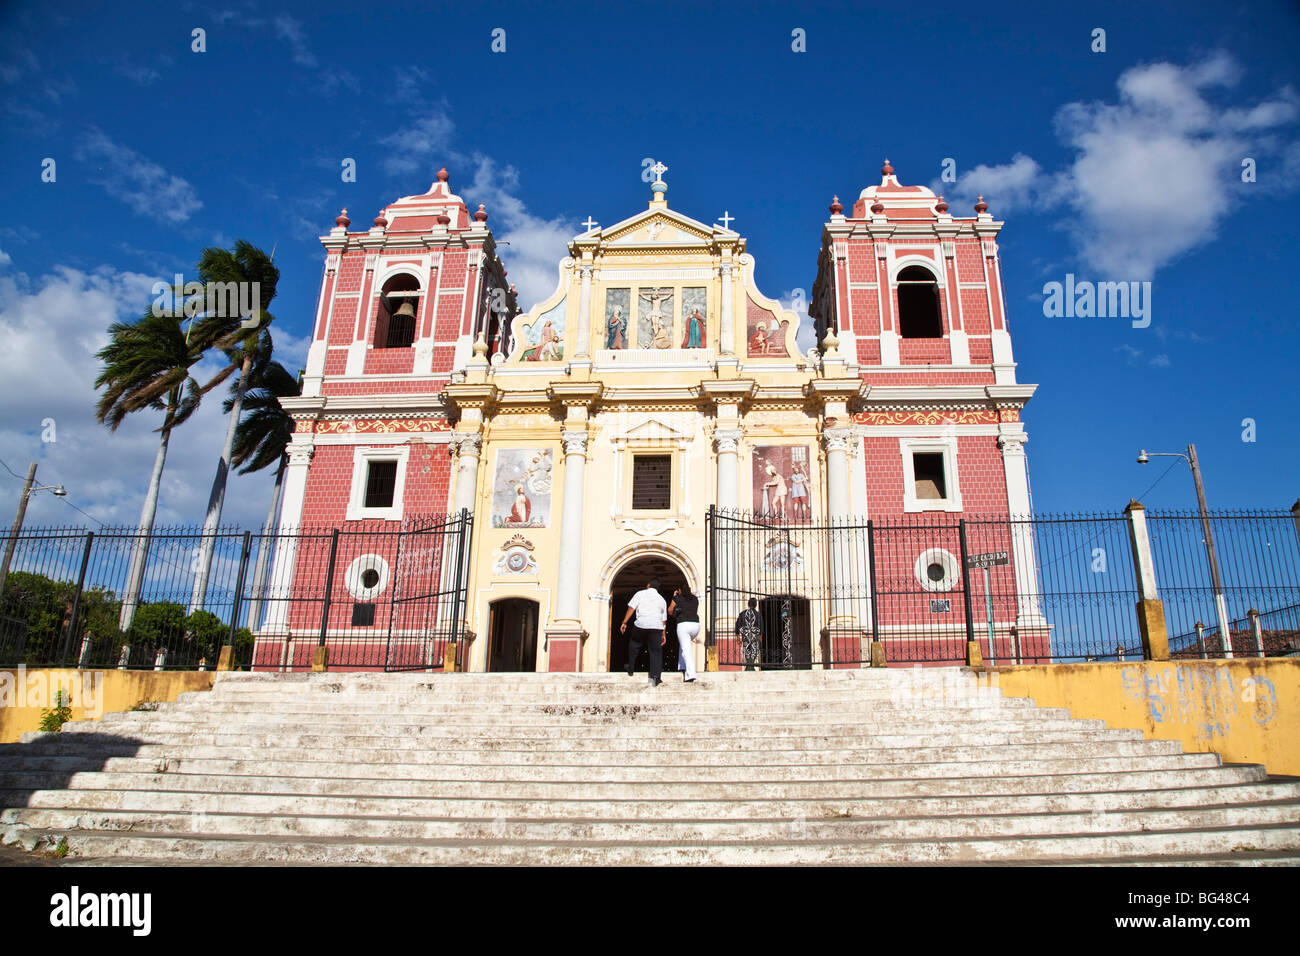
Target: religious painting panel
column 544, row 339
column 655, row 319
column 766, row 335
column 617, row 310
column 694, row 318
column 782, row 483
column 521, row 488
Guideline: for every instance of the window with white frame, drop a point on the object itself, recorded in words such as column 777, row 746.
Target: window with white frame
column 378, row 483
column 930, row 474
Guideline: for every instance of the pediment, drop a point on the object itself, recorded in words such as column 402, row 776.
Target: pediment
column 653, row 430
column 657, row 227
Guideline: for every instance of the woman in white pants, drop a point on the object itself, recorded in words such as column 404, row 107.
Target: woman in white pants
column 686, row 607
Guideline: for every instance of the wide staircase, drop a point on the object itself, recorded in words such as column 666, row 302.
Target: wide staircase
column 817, row 767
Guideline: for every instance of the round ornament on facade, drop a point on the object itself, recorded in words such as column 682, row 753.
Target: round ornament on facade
column 937, row 570
column 367, row 577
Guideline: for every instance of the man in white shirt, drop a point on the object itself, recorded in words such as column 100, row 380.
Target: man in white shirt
column 650, row 628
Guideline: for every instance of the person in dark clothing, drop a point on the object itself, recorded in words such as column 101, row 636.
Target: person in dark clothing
column 749, row 626
column 686, row 608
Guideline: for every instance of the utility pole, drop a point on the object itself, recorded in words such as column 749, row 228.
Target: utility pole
column 18, row 524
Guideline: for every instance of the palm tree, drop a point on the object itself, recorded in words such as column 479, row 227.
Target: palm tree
column 241, row 340
column 261, row 440
column 146, row 365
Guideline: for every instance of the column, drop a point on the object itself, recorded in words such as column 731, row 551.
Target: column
column 466, row 448
column 1024, row 557
column 727, row 442
column 279, row 590
column 569, row 575
column 1150, row 609
column 584, row 311
column 564, row 637
column 724, row 560
column 726, row 337
column 839, row 513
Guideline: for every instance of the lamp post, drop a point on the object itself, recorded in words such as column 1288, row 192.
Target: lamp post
column 1220, row 605
column 29, row 486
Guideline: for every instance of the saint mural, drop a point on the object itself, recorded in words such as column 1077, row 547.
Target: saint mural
column 655, row 319
column 616, row 312
column 782, row 486
column 543, row 340
column 693, row 311
column 521, row 490
column 766, row 335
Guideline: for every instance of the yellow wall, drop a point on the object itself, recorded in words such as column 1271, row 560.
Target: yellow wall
column 1246, row 710
column 25, row 693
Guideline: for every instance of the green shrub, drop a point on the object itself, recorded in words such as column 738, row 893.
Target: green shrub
column 53, row 719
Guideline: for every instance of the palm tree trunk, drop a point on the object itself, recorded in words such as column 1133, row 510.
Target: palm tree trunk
column 218, row 496
column 264, row 552
column 140, row 553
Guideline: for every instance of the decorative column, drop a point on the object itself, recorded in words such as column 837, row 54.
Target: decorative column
column 1031, row 626
column 570, row 557
column 466, row 448
column 279, row 589
column 726, row 336
column 844, row 641
column 584, row 311
column 565, row 634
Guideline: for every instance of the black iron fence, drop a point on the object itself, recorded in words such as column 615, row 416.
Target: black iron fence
column 1032, row 590
column 378, row 595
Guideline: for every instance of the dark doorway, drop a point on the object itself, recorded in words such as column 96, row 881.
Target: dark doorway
column 631, row 579
column 513, row 629
column 773, row 611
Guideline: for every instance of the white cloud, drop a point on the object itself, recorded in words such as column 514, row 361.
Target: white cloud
column 137, row 181
column 290, row 30
column 416, row 147
column 536, row 245
column 1017, row 185
column 1160, row 361
column 1152, row 174
column 50, row 329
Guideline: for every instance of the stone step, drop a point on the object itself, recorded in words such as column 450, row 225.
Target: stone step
column 415, row 735
column 341, row 805
column 1034, row 722
column 429, row 764
column 789, row 781
column 748, row 851
column 435, row 741
column 669, row 829
column 634, row 704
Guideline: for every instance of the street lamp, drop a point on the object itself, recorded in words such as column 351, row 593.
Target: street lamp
column 1220, row 605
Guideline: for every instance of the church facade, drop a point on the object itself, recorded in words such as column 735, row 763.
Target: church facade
column 590, row 435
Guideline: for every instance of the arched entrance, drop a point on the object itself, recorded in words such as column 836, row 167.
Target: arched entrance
column 512, row 627
column 632, row 577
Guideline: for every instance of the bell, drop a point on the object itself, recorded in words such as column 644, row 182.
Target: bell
column 405, row 311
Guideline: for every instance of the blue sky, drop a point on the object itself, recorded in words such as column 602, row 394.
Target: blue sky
column 1116, row 165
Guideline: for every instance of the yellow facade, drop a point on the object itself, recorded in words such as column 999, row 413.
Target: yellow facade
column 620, row 403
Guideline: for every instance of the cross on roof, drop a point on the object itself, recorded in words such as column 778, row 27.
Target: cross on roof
column 726, row 219
column 590, row 224
column 659, row 169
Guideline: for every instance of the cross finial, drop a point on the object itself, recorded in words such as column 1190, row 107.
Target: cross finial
column 726, row 219
column 659, row 169
column 590, row 224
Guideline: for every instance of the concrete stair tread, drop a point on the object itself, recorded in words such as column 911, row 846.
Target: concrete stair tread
column 829, row 767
